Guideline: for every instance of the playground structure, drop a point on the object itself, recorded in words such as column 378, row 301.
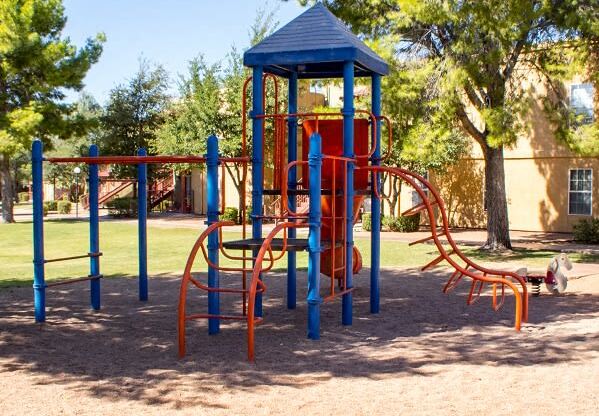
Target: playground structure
column 320, row 190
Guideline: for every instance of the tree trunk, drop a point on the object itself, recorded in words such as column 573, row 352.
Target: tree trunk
column 394, row 195
column 7, row 190
column 498, row 233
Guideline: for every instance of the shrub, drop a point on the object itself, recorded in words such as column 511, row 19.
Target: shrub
column 45, row 210
column 248, row 214
column 367, row 221
column 51, row 205
column 230, row 214
column 64, row 207
column 403, row 224
column 23, row 196
column 587, row 231
column 122, row 207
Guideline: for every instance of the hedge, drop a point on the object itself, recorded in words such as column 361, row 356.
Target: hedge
column 230, row 214
column 64, row 207
column 587, row 231
column 122, row 207
column 23, row 196
column 403, row 224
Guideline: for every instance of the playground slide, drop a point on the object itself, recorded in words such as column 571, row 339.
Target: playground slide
column 449, row 251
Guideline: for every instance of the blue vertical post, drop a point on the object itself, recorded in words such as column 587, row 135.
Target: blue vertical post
column 212, row 216
column 291, row 184
column 314, row 248
column 348, row 151
column 375, row 233
column 94, row 230
column 257, row 180
column 39, row 280
column 142, row 225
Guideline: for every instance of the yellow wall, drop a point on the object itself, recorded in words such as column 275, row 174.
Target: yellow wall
column 537, row 193
column 536, row 175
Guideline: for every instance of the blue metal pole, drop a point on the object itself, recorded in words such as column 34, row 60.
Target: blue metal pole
column 257, row 179
column 292, row 181
column 39, row 281
column 348, row 151
column 142, row 223
column 94, row 230
column 314, row 248
column 375, row 233
column 212, row 216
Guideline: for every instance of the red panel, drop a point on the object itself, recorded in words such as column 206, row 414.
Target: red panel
column 331, row 132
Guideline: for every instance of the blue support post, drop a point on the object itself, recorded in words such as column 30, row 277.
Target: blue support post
column 94, row 229
column 142, row 225
column 257, row 179
column 291, row 184
column 348, row 151
column 314, row 248
column 39, row 280
column 212, row 216
column 375, row 233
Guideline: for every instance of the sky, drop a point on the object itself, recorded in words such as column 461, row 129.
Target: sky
column 166, row 32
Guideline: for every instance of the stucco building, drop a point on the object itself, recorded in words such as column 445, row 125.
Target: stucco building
column 549, row 188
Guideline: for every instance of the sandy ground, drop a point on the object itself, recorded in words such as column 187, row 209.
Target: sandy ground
column 426, row 353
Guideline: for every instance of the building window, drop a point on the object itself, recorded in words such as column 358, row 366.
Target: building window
column 581, row 102
column 580, row 192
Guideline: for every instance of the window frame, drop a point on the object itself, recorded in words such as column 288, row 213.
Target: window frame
column 590, row 214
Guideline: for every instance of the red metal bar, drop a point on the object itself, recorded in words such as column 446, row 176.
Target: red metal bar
column 257, row 281
column 69, row 281
column 480, row 274
column 335, row 295
column 422, row 240
column 83, row 256
column 317, row 115
column 223, row 317
column 133, row 160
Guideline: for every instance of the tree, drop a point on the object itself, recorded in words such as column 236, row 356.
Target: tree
column 211, row 103
column 87, row 113
column 133, row 115
column 476, row 47
column 421, row 142
column 36, row 67
column 194, row 116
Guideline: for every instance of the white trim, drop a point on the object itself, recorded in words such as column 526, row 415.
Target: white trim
column 591, row 192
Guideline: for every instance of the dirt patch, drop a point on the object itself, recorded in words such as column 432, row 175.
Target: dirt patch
column 425, row 353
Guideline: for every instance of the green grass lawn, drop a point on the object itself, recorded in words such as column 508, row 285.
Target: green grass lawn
column 168, row 249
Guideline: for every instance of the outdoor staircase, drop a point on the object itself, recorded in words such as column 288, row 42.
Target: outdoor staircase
column 160, row 191
column 108, row 190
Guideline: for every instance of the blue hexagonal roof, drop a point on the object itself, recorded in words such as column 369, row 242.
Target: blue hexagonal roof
column 315, row 45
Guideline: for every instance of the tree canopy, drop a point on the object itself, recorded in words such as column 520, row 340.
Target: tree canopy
column 37, row 66
column 133, row 115
column 480, row 52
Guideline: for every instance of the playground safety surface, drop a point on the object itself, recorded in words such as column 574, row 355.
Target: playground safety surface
column 425, row 353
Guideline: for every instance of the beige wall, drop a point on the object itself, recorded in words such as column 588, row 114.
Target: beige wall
column 537, row 193
column 536, row 175
column 198, row 185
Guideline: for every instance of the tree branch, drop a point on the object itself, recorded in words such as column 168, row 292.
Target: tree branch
column 470, row 128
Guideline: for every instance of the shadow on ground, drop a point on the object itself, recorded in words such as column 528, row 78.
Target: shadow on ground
column 127, row 351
